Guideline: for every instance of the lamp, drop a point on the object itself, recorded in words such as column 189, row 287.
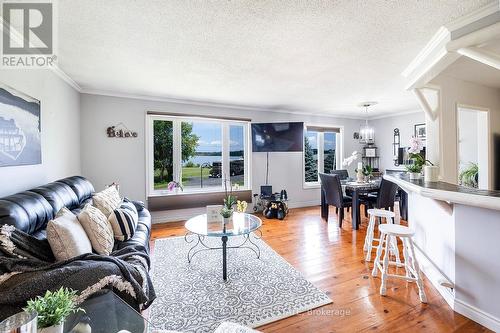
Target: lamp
column 366, row 132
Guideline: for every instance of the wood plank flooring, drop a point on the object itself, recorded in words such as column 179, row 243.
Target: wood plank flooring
column 333, row 260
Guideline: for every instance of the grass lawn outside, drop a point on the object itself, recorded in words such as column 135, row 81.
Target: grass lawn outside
column 187, row 174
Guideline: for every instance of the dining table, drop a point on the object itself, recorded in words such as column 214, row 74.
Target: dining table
column 356, row 190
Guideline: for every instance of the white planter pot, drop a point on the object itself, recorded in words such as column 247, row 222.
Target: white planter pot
column 52, row 329
column 414, row 175
column 431, row 173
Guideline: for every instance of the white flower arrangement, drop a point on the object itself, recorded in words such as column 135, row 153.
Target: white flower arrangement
column 348, row 160
column 416, row 145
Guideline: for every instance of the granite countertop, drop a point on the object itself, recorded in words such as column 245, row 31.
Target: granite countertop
column 447, row 192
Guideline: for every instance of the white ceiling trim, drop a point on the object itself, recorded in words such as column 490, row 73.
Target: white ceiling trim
column 402, row 113
column 66, row 78
column 209, row 103
column 440, row 52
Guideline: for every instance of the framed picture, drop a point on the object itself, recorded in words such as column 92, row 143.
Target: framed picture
column 420, row 131
column 213, row 213
column 20, row 128
column 370, row 152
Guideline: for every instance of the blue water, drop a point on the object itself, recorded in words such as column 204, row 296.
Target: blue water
column 197, row 159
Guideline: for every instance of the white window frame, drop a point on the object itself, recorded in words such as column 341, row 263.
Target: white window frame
column 177, row 154
column 339, row 151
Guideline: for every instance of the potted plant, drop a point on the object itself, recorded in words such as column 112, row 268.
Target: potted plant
column 367, row 172
column 229, row 202
column 174, row 186
column 52, row 309
column 414, row 170
column 470, row 176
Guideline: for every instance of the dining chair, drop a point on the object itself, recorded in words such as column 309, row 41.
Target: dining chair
column 385, row 197
column 343, row 173
column 334, row 196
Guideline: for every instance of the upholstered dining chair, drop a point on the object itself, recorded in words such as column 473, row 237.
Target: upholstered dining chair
column 384, row 199
column 332, row 191
column 343, row 174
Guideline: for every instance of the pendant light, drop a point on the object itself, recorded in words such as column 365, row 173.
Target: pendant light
column 366, row 132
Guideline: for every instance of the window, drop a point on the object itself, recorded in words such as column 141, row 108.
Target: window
column 198, row 153
column 322, row 152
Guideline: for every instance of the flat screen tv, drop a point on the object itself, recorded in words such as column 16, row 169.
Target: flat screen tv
column 277, row 137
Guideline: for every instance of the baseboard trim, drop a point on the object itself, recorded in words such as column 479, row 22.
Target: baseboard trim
column 177, row 215
column 479, row 316
column 434, row 275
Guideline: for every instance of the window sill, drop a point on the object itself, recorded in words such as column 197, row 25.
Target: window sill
column 191, row 192
column 191, row 199
column 310, row 186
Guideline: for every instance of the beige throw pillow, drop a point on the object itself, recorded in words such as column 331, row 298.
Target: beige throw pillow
column 66, row 236
column 107, row 200
column 98, row 229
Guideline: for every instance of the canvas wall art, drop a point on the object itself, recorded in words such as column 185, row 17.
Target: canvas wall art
column 20, row 128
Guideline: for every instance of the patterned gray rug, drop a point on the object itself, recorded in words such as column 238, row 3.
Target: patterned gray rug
column 194, row 297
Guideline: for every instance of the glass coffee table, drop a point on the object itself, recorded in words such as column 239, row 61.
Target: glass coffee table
column 242, row 224
column 107, row 313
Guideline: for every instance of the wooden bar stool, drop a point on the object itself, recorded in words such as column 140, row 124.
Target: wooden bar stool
column 370, row 233
column 388, row 232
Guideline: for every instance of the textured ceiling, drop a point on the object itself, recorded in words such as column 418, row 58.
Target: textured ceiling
column 312, row 56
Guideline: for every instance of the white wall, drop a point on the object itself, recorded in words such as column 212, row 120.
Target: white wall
column 105, row 160
column 60, row 117
column 384, row 135
column 456, row 92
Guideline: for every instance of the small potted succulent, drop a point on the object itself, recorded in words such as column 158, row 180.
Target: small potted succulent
column 52, row 309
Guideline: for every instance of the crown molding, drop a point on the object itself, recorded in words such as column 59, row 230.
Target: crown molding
column 202, row 103
column 437, row 42
column 437, row 54
column 395, row 114
column 66, row 78
column 474, row 16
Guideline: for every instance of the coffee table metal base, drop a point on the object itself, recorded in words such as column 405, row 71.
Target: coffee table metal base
column 200, row 245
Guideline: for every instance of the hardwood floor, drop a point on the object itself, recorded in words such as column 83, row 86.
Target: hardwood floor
column 333, row 260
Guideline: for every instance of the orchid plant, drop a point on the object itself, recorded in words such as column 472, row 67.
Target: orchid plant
column 348, row 160
column 416, row 146
column 173, row 185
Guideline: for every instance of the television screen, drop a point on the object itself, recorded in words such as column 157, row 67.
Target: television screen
column 277, row 137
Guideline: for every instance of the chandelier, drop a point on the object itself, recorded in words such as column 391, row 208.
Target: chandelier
column 366, row 132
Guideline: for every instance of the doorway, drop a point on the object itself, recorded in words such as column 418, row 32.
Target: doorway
column 473, row 147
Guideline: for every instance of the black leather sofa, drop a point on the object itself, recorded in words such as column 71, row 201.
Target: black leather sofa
column 30, row 210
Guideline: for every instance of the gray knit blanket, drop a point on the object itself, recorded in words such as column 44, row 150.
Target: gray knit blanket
column 28, row 269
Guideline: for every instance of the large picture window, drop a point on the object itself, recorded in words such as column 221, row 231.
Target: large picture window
column 322, row 152
column 199, row 153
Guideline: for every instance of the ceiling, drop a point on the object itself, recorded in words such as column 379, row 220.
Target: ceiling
column 308, row 56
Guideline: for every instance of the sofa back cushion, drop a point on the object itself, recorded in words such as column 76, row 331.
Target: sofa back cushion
column 27, row 211
column 30, row 211
column 81, row 186
column 58, row 195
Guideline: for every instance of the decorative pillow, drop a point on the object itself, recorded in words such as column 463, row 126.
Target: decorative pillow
column 124, row 220
column 66, row 236
column 98, row 229
column 107, row 200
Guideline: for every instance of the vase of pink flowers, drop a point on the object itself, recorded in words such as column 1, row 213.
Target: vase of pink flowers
column 174, row 187
column 417, row 161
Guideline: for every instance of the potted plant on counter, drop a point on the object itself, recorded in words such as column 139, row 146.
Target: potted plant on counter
column 470, row 176
column 52, row 309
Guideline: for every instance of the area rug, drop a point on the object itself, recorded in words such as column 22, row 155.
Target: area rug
column 193, row 297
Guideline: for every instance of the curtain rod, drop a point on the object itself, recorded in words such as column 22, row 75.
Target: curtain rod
column 157, row 113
